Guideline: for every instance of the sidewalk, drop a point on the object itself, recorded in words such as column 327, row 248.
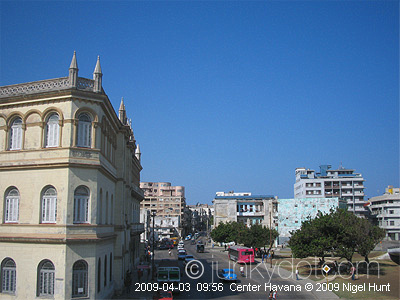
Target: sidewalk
column 135, row 291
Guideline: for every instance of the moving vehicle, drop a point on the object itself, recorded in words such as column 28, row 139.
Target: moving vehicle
column 188, row 258
column 200, row 248
column 227, row 275
column 163, row 295
column 241, row 254
column 174, row 240
column 169, row 272
column 181, row 254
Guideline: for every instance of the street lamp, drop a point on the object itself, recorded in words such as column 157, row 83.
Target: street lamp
column 152, row 256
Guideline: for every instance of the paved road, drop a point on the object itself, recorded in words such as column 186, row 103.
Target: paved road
column 256, row 285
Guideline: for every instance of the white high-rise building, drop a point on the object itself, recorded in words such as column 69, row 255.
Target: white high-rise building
column 342, row 183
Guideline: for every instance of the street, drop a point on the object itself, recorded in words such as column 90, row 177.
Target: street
column 204, row 283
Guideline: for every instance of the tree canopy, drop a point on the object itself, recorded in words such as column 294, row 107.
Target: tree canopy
column 340, row 232
column 256, row 236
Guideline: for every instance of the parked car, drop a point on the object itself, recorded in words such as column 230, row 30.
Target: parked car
column 181, row 254
column 227, row 275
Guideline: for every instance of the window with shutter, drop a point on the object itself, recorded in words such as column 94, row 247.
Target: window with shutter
column 16, row 134
column 12, row 206
column 49, row 206
column 84, row 131
column 52, row 131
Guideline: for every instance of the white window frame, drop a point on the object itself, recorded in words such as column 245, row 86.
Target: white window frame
column 12, row 206
column 81, row 205
column 46, row 278
column 9, row 276
column 49, row 205
column 53, row 131
column 84, row 132
column 16, row 134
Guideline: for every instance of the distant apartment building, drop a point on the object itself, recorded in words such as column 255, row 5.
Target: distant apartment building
column 167, row 203
column 385, row 210
column 69, row 176
column 292, row 212
column 200, row 217
column 330, row 183
column 243, row 207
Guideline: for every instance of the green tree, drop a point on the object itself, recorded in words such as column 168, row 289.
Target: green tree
column 221, row 233
column 259, row 236
column 339, row 232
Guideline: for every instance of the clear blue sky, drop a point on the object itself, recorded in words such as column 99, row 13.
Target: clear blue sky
column 229, row 95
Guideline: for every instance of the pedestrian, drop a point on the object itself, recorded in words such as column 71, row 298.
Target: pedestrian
column 128, row 281
column 270, row 295
column 297, row 274
column 169, row 252
column 274, row 295
column 272, row 253
column 262, row 258
column 353, row 273
column 225, row 247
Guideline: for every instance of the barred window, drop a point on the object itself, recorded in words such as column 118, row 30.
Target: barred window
column 8, row 276
column 46, row 276
column 80, row 279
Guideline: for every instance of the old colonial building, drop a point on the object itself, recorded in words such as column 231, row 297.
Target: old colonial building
column 69, row 180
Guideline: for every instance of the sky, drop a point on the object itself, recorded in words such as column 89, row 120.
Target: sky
column 229, row 95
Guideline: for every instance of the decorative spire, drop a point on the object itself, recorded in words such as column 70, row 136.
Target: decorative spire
column 97, row 77
column 137, row 152
column 73, row 71
column 122, row 112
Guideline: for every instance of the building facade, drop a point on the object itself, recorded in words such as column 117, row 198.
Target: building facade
column 69, row 178
column 385, row 210
column 328, row 183
column 243, row 207
column 167, row 203
column 291, row 213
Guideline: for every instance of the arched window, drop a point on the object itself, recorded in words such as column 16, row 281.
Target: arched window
column 49, row 205
column 80, row 279
column 52, row 131
column 81, row 205
column 46, row 272
column 105, row 270
column 8, row 276
column 84, row 135
column 12, row 206
column 16, row 134
column 99, row 276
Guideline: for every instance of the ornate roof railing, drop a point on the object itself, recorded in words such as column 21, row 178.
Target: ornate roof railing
column 44, row 86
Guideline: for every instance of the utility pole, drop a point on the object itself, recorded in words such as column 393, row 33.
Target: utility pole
column 270, row 234
column 152, row 255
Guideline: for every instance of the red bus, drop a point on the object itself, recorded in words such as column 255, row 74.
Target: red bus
column 240, row 254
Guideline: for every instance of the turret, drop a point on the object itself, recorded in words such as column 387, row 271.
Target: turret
column 73, row 71
column 97, row 77
column 122, row 112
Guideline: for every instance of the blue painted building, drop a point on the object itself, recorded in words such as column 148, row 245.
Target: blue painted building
column 292, row 212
